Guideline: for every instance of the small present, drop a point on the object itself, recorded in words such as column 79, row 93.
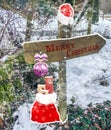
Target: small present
column 42, row 89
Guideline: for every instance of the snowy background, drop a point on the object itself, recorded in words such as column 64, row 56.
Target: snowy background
column 88, row 78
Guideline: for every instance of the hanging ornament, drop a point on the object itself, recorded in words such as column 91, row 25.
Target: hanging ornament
column 66, row 14
column 40, row 68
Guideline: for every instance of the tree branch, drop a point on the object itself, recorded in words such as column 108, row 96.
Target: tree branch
column 84, row 9
column 6, row 6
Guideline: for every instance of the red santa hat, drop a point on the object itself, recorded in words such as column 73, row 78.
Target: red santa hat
column 65, row 14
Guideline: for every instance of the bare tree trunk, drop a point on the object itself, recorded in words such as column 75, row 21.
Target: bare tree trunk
column 30, row 11
column 89, row 16
column 95, row 16
column 84, row 9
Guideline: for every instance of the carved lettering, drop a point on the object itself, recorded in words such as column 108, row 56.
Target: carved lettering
column 87, row 49
column 49, row 48
column 63, row 47
column 57, row 48
column 52, row 47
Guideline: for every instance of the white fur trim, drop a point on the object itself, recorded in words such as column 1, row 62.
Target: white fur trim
column 46, row 98
column 64, row 20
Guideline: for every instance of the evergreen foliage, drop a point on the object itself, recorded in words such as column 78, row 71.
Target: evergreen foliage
column 10, row 79
column 6, row 86
column 94, row 117
column 16, row 4
column 13, row 91
column 15, row 74
column 17, row 81
column 40, row 6
column 45, row 8
column 10, row 86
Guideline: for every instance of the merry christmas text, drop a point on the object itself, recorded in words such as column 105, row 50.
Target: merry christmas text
column 70, row 49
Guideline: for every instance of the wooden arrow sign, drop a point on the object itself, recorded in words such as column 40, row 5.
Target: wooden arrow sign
column 64, row 48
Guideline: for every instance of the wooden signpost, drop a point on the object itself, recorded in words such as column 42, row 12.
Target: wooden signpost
column 64, row 48
column 60, row 50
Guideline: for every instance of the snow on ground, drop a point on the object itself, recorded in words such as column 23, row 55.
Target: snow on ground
column 23, row 122
column 103, row 27
column 85, row 76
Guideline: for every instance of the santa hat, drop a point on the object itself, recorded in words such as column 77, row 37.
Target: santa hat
column 65, row 14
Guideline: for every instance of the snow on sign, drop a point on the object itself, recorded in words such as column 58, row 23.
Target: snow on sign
column 64, row 48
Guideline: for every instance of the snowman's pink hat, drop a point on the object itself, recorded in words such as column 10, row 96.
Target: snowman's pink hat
column 65, row 14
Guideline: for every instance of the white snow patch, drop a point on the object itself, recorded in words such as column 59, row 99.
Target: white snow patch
column 23, row 122
column 4, row 58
